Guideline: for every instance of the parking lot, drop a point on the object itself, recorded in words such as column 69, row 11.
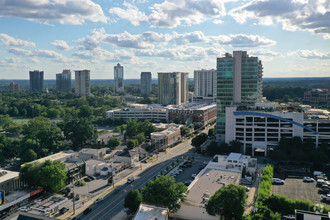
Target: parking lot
column 295, row 188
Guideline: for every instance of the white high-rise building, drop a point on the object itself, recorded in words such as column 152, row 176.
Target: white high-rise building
column 119, row 78
column 205, row 84
column 145, row 82
column 173, row 88
column 83, row 82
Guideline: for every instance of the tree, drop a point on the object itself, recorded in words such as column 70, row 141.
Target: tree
column 85, row 111
column 184, row 130
column 140, row 137
column 48, row 134
column 28, row 156
column 132, row 128
column 5, row 121
column 78, row 131
column 113, row 142
column 50, row 174
column 213, row 148
column 131, row 143
column 164, row 191
column 228, row 202
column 133, row 200
column 199, row 140
column 211, row 132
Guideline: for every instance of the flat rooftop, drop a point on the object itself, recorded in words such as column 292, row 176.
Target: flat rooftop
column 6, row 175
column 151, row 212
column 207, row 182
column 60, row 156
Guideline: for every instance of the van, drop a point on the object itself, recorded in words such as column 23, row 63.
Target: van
column 318, row 173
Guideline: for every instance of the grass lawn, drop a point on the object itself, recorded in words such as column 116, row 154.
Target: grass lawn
column 20, row 121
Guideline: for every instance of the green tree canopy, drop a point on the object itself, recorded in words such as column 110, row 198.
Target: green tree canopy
column 133, row 200
column 113, row 142
column 50, row 174
column 78, row 131
column 199, row 140
column 228, row 202
column 184, row 130
column 211, row 132
column 164, row 191
column 131, row 143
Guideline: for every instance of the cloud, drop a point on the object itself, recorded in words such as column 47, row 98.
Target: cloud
column 217, row 21
column 63, row 11
column 10, row 62
column 313, row 16
column 311, row 54
column 10, row 41
column 98, row 54
column 150, row 40
column 20, row 52
column 61, row 45
column 182, row 53
column 172, row 13
column 131, row 13
column 57, row 57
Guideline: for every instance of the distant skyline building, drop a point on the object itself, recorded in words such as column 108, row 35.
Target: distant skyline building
column 83, row 82
column 36, row 80
column 63, row 81
column 13, row 87
column 173, row 88
column 145, row 82
column 239, row 80
column 205, row 84
column 119, row 78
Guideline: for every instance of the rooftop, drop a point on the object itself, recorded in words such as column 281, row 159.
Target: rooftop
column 6, row 175
column 60, row 156
column 151, row 212
column 89, row 151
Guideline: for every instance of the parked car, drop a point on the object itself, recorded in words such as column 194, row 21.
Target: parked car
column 63, row 210
column 324, row 191
column 99, row 200
column 187, row 182
column 318, row 173
column 130, row 180
column 193, row 176
column 308, row 179
column 277, row 181
column 77, row 198
column 320, row 182
column 24, row 209
column 92, row 177
column 247, row 188
column 325, row 198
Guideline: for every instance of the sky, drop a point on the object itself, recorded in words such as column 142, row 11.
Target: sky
column 291, row 37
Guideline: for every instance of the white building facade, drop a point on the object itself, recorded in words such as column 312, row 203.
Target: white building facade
column 119, row 78
column 205, row 85
column 82, row 82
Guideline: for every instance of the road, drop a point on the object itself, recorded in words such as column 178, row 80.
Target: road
column 113, row 203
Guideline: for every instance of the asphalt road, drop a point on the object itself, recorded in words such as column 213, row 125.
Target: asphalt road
column 113, row 203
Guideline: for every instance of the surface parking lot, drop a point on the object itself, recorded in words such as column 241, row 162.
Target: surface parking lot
column 295, row 188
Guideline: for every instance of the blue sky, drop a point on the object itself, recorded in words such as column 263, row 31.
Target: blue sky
column 291, row 37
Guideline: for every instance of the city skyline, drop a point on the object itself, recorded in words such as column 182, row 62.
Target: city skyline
column 162, row 36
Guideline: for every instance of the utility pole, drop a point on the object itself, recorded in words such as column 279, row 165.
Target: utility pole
column 73, row 200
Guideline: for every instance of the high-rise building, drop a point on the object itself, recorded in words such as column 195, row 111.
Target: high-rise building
column 239, row 80
column 205, row 84
column 83, row 82
column 13, row 87
column 63, row 81
column 119, row 78
column 37, row 80
column 145, row 82
column 173, row 88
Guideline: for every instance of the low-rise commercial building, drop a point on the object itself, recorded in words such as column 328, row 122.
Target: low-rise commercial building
column 197, row 114
column 90, row 153
column 318, row 98
column 9, row 181
column 167, row 137
column 98, row 167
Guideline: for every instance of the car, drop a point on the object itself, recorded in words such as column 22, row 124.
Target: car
column 63, row 210
column 320, row 182
column 193, row 176
column 70, row 196
column 77, row 198
column 307, row 179
column 325, row 198
column 187, row 182
column 324, row 191
column 130, row 180
column 24, row 209
column 86, row 211
column 247, row 188
column 98, row 200
column 92, row 177
column 277, row 181
column 86, row 179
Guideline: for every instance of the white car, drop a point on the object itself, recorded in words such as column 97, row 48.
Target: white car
column 325, row 198
column 24, row 209
column 277, row 181
column 130, row 180
column 99, row 200
column 308, row 179
column 193, row 176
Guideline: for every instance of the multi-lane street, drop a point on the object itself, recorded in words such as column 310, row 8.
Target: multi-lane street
column 113, row 203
